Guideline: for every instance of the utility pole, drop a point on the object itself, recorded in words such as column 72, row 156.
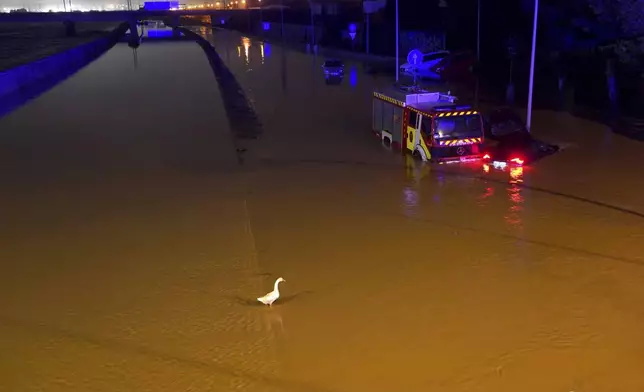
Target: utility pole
column 478, row 32
column 397, row 45
column 534, row 44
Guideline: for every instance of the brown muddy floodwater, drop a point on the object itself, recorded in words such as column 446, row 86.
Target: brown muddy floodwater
column 133, row 244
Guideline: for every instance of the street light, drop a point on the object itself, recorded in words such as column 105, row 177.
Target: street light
column 534, row 44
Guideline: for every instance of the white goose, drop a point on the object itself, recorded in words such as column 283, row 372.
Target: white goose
column 271, row 297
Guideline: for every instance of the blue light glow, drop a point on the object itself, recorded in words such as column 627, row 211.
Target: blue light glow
column 267, row 49
column 353, row 27
column 353, row 77
column 266, row 26
column 160, row 5
column 159, row 33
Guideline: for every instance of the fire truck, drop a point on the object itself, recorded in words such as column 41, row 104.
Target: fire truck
column 429, row 125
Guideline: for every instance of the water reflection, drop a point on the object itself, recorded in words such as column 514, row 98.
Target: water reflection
column 135, row 54
column 283, row 72
column 239, row 51
column 261, row 51
column 246, row 44
column 267, row 49
column 353, row 76
column 415, row 171
column 516, row 175
column 486, row 196
column 513, row 216
column 273, row 322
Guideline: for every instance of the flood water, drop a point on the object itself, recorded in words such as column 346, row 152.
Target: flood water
column 134, row 243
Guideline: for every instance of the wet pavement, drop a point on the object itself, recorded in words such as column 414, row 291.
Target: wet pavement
column 134, row 243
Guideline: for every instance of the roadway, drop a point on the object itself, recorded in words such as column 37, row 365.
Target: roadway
column 134, row 242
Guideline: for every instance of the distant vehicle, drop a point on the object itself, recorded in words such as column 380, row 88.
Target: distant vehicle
column 428, row 125
column 508, row 142
column 333, row 68
column 442, row 65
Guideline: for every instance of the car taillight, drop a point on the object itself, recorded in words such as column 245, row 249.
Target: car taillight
column 518, row 161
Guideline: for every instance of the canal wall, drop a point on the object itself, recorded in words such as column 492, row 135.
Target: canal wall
column 56, row 66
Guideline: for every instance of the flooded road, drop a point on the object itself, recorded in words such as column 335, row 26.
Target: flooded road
column 134, row 243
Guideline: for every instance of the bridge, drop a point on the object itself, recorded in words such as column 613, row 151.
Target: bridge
column 69, row 19
column 110, row 16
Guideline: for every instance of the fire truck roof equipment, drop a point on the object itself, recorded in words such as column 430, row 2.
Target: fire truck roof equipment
column 421, row 99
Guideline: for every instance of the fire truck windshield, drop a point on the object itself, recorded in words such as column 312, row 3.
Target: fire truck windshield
column 458, row 127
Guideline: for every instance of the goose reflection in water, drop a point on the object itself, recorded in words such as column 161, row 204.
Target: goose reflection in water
column 273, row 322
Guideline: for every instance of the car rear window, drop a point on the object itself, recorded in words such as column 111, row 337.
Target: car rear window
column 458, row 127
column 333, row 63
column 505, row 122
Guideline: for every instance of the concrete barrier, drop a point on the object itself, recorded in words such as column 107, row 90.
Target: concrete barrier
column 65, row 63
column 242, row 118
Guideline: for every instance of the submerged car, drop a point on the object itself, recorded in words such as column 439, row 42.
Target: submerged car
column 508, row 141
column 442, row 66
column 333, row 68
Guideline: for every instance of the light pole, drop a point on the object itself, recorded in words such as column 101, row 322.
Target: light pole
column 478, row 32
column 368, row 32
column 282, row 17
column 312, row 25
column 397, row 46
column 534, row 44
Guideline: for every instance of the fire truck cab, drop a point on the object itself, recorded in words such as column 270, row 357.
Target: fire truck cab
column 427, row 124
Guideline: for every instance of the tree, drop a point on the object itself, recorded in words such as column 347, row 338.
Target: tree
column 627, row 17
